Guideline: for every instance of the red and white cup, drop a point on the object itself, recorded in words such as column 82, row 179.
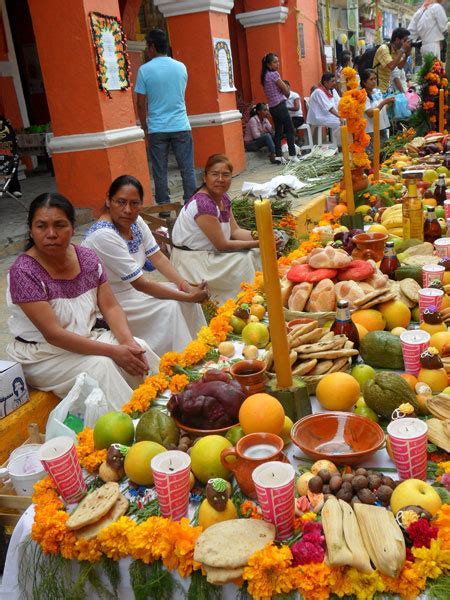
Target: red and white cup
column 171, row 476
column 447, row 205
column 429, row 297
column 413, row 343
column 430, row 272
column 408, row 441
column 442, row 247
column 59, row 458
column 274, row 484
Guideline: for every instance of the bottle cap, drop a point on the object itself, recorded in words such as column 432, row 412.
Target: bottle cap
column 389, row 244
column 417, row 174
column 342, row 304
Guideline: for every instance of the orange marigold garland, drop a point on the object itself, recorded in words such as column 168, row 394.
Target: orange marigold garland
column 351, row 107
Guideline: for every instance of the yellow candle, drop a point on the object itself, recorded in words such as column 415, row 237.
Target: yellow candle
column 376, row 144
column 272, row 287
column 347, row 171
column 441, row 110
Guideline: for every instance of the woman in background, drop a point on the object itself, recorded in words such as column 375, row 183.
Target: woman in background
column 375, row 100
column 258, row 131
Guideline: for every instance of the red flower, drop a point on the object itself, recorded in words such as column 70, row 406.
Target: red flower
column 307, row 552
column 421, row 533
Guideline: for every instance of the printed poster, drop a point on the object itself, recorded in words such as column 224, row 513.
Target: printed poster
column 224, row 65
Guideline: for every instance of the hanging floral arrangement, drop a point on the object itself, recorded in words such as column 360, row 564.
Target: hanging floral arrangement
column 431, row 78
column 351, row 107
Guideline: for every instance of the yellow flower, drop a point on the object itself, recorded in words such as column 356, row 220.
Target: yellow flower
column 408, row 584
column 89, row 457
column 312, row 581
column 178, row 383
column 168, row 360
column 88, row 550
column 115, row 540
column 268, row 573
column 445, row 466
column 431, row 562
column 194, row 352
column 364, row 585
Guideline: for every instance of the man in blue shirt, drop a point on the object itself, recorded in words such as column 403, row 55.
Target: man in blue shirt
column 160, row 88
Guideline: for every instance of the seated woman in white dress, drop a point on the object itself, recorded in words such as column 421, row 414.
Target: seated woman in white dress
column 55, row 290
column 208, row 243
column 166, row 315
column 323, row 106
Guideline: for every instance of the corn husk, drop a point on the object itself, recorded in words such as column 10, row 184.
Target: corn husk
column 438, row 433
column 439, row 406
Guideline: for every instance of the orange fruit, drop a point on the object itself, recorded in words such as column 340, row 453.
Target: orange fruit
column 257, row 310
column 349, row 391
column 261, row 413
column 395, row 313
column 410, row 380
column 369, row 318
column 446, row 298
column 339, row 210
column 362, row 331
column 438, row 340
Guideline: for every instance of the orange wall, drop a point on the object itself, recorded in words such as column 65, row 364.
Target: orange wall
column 311, row 65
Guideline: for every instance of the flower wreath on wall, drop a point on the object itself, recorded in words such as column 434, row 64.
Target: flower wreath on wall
column 111, row 58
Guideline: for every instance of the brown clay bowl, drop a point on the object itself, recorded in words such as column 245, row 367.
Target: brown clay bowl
column 360, row 437
column 202, row 432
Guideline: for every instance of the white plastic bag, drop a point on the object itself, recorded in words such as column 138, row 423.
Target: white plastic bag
column 85, row 400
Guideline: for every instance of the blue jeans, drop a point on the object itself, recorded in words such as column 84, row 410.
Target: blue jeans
column 158, row 150
column 264, row 140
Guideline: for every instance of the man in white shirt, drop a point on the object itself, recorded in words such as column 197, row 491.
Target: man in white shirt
column 429, row 25
column 323, row 106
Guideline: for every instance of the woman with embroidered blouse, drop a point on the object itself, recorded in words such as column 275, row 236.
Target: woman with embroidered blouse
column 208, row 243
column 166, row 315
column 55, row 290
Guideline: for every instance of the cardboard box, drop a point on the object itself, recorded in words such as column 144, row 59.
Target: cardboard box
column 13, row 389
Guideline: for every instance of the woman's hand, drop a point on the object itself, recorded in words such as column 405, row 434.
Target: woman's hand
column 388, row 100
column 195, row 293
column 131, row 358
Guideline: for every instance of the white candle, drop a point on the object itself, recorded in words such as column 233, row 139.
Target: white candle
column 273, row 474
column 260, row 451
column 171, row 461
column 407, row 428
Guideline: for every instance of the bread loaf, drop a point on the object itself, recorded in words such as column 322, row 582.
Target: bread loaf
column 350, row 291
column 323, row 297
column 328, row 258
column 299, row 296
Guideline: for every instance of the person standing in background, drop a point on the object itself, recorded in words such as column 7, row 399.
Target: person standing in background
column 346, row 61
column 429, row 25
column 392, row 55
column 160, row 88
column 277, row 92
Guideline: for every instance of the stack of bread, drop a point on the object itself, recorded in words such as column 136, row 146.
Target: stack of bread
column 316, row 282
column 98, row 510
column 225, row 548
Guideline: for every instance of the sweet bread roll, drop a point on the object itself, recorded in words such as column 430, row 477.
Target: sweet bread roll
column 323, row 297
column 350, row 291
column 328, row 258
column 286, row 290
column 378, row 280
column 299, row 296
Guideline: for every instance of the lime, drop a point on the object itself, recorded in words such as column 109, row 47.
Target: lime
column 205, row 458
column 237, row 324
column 443, row 169
column 363, row 373
column 234, row 434
column 440, row 212
column 430, row 176
column 365, row 411
column 112, row 428
column 256, row 334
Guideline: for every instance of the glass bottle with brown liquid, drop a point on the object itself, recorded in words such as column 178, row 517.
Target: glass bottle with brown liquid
column 431, row 228
column 412, row 208
column 390, row 261
column 344, row 324
column 440, row 189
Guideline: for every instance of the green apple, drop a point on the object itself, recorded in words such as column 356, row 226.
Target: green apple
column 440, row 212
column 360, row 402
column 237, row 324
column 415, row 314
column 365, row 411
column 235, row 434
column 363, row 373
column 446, row 391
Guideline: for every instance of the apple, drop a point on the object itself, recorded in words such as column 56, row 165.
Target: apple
column 363, row 373
column 398, row 331
column 324, row 464
column 417, row 492
column 302, row 483
column 446, row 391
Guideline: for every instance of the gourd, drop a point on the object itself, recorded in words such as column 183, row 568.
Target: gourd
column 386, row 391
column 381, row 349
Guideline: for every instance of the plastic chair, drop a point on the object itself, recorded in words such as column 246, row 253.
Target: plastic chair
column 312, row 128
column 9, row 164
column 306, row 127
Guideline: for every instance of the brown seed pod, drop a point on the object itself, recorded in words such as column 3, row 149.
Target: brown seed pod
column 335, row 483
column 359, row 482
column 325, row 475
column 315, row 484
column 366, row 496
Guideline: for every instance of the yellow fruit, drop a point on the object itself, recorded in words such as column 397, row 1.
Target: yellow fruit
column 112, row 428
column 257, row 310
column 137, row 462
column 438, row 340
column 363, row 209
column 261, row 413
column 398, row 331
column 430, row 176
column 428, row 202
column 205, row 458
column 369, row 318
column 226, row 349
column 436, row 378
column 208, row 515
column 302, row 483
column 256, row 334
column 377, row 228
column 417, row 492
column 285, row 433
column 395, row 313
column 250, row 352
column 338, row 391
column 253, row 319
column 257, row 299
column 445, row 301
column 432, row 329
column 324, row 464
column 410, row 380
column 446, row 280
column 362, row 331
column 237, row 324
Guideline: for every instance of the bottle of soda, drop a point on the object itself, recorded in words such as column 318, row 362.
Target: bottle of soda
column 431, row 227
column 344, row 324
column 390, row 261
column 440, row 189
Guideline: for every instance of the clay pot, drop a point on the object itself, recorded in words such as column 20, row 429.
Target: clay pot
column 251, row 451
column 369, row 246
column 251, row 374
column 360, row 180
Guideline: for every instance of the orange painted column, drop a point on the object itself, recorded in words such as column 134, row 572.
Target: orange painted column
column 95, row 137
column 216, row 123
column 272, row 27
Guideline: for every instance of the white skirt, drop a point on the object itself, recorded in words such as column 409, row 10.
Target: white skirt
column 52, row 369
column 166, row 325
column 224, row 271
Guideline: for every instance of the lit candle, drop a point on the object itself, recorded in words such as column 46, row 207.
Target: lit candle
column 408, row 441
column 272, row 287
column 274, row 484
column 347, row 171
column 376, row 144
column 441, row 110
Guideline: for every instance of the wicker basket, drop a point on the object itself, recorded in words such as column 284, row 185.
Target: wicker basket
column 312, row 381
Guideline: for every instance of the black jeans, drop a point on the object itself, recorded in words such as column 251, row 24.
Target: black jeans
column 283, row 124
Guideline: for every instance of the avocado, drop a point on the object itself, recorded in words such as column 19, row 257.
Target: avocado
column 409, row 272
column 381, row 349
column 155, row 426
column 386, row 391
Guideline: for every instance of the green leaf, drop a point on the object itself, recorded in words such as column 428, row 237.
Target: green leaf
column 200, row 589
column 152, row 582
column 439, row 589
column 443, row 493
